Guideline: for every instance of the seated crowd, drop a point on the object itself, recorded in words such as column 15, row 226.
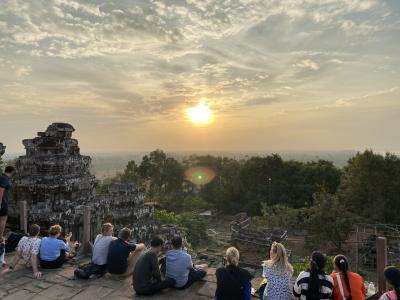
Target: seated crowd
column 118, row 256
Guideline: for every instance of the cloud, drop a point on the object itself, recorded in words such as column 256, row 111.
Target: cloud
column 307, row 64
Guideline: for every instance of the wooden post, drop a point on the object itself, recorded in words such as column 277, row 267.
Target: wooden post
column 86, row 245
column 23, row 216
column 381, row 262
column 357, row 245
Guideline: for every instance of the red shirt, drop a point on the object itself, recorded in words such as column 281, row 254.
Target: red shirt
column 356, row 284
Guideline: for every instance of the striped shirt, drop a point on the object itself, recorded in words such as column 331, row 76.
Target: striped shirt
column 300, row 287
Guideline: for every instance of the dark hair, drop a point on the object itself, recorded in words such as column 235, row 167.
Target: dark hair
column 9, row 169
column 125, row 234
column 318, row 261
column 177, row 242
column 156, row 242
column 34, row 230
column 342, row 264
column 392, row 275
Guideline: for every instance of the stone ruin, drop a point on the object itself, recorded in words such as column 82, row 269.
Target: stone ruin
column 55, row 181
column 2, row 149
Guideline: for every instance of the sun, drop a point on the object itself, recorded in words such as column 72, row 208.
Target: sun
column 200, row 114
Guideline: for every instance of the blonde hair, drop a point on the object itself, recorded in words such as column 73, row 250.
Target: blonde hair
column 281, row 260
column 232, row 256
column 106, row 227
column 55, row 229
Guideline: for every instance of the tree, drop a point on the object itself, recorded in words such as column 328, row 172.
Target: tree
column 329, row 220
column 370, row 187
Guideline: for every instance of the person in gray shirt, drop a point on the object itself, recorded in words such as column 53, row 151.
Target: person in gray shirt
column 146, row 275
column 102, row 244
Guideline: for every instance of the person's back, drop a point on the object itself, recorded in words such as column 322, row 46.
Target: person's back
column 232, row 283
column 178, row 266
column 117, row 257
column 102, row 244
column 356, row 284
column 29, row 246
column 277, row 283
column 50, row 248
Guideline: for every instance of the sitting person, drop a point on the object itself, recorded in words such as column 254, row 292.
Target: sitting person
column 313, row 283
column 392, row 276
column 102, row 244
column 233, row 282
column 346, row 285
column 28, row 250
column 147, row 276
column 122, row 256
column 53, row 250
column 278, row 272
column 179, row 266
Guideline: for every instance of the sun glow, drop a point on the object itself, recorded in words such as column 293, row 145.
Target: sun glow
column 199, row 114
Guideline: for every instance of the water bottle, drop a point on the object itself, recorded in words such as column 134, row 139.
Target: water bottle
column 371, row 289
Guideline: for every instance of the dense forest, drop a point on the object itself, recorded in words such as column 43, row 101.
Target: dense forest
column 314, row 196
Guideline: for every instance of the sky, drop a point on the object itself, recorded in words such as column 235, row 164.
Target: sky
column 277, row 74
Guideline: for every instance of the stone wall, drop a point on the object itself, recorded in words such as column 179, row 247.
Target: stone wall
column 55, row 180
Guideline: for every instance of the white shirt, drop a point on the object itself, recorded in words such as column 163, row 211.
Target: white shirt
column 28, row 246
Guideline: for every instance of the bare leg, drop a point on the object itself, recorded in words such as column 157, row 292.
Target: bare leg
column 3, row 221
column 132, row 259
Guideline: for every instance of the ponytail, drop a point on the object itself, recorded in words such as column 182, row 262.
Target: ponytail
column 342, row 264
column 318, row 261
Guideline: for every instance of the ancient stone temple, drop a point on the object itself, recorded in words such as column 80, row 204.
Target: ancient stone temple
column 55, row 181
column 2, row 149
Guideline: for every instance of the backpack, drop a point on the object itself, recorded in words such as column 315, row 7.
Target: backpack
column 13, row 240
column 90, row 270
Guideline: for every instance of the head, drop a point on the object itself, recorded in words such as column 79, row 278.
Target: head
column 125, row 234
column 232, row 256
column 156, row 244
column 392, row 276
column 34, row 230
column 107, row 229
column 9, row 171
column 177, row 242
column 340, row 263
column 279, row 257
column 55, row 231
column 318, row 261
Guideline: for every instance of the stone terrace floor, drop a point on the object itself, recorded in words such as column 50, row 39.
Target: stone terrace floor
column 61, row 285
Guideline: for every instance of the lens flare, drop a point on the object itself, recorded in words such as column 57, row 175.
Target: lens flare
column 199, row 114
column 199, row 175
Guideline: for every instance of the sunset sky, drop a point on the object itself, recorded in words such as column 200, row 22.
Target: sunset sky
column 276, row 74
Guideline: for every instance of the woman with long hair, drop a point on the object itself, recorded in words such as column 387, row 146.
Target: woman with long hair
column 392, row 275
column 278, row 271
column 314, row 284
column 346, row 285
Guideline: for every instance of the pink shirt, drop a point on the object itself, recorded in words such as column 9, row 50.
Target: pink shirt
column 389, row 296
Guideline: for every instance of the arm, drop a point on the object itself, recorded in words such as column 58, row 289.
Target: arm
column 247, row 291
column 35, row 267
column 139, row 247
column 296, row 287
column 1, row 194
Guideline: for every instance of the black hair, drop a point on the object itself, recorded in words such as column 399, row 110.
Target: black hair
column 156, row 242
column 9, row 169
column 392, row 275
column 317, row 265
column 177, row 242
column 342, row 264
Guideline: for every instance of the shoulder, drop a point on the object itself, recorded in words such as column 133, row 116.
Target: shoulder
column 329, row 278
column 245, row 273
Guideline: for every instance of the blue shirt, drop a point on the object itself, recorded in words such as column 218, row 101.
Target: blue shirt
column 179, row 263
column 50, row 248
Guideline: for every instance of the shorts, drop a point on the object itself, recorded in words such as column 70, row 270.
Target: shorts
column 4, row 209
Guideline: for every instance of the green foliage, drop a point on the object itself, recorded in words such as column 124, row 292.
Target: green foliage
column 329, row 221
column 281, row 216
column 303, row 264
column 189, row 223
